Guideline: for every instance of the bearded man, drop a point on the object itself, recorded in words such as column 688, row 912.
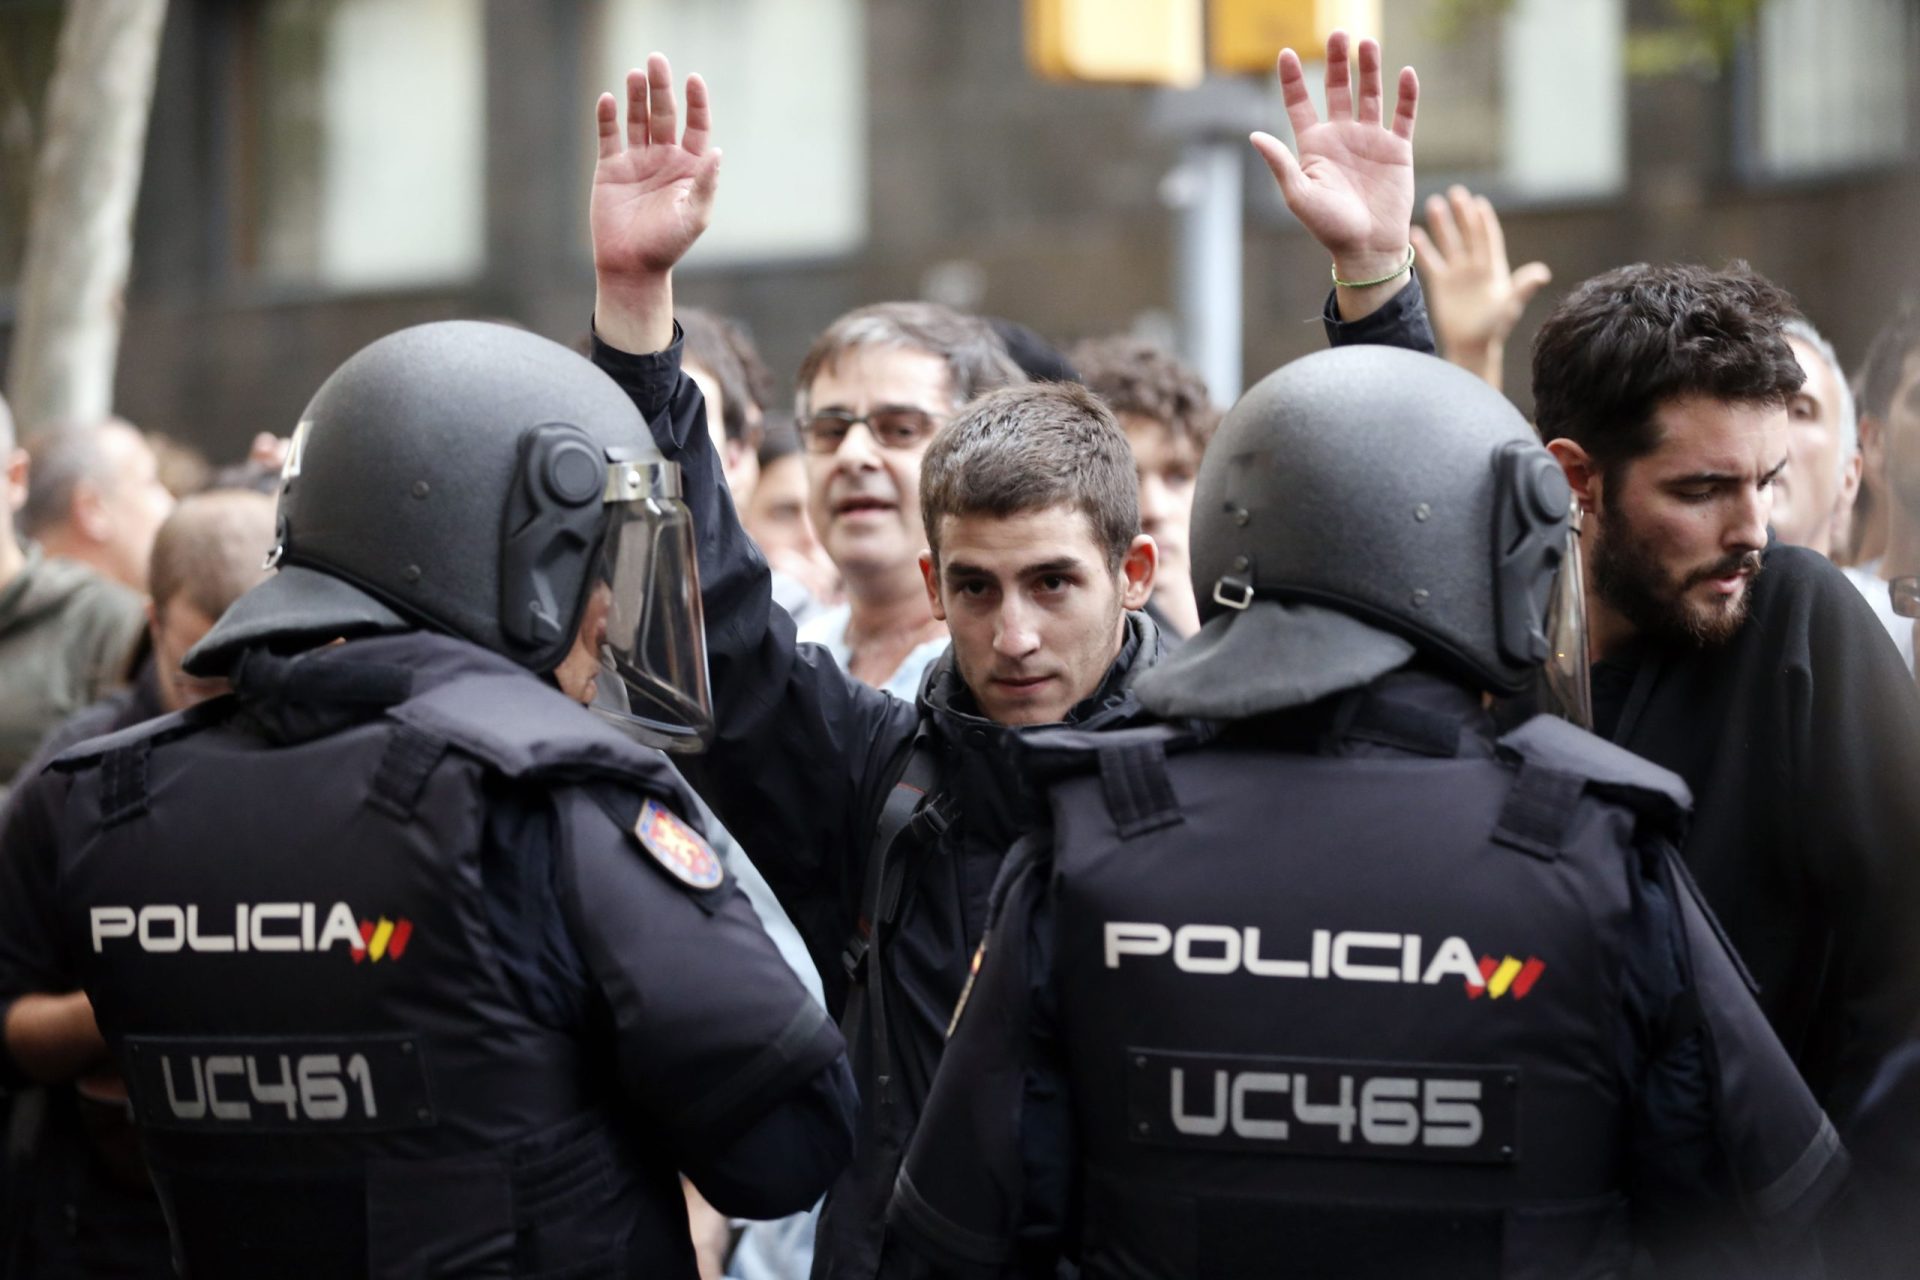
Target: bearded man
column 1751, row 668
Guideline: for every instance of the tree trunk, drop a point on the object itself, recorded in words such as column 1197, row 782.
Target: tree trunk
column 80, row 235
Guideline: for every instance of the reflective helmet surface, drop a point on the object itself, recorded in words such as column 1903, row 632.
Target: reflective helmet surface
column 1393, row 488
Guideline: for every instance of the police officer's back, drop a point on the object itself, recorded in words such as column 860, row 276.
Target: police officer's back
column 409, row 961
column 1348, row 984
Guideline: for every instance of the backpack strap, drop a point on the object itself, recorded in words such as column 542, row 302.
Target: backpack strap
column 911, row 822
column 885, row 885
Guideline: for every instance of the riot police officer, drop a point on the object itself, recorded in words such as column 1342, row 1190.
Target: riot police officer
column 411, row 964
column 1348, row 984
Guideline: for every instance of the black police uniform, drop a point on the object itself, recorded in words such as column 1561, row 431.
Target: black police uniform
column 879, row 825
column 412, row 969
column 1360, row 991
column 79, row 1202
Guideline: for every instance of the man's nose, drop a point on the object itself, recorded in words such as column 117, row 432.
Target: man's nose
column 859, row 449
column 1014, row 635
column 1154, row 505
column 1748, row 532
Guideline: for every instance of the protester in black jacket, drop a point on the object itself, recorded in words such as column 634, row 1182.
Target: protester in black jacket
column 1752, row 669
column 813, row 771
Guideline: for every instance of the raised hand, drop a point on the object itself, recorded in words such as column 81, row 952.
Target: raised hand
column 1352, row 183
column 652, row 197
column 1474, row 297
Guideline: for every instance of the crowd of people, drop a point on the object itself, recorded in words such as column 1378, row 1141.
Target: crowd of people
column 997, row 655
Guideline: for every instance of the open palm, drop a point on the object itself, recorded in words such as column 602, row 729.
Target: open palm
column 1352, row 183
column 652, row 192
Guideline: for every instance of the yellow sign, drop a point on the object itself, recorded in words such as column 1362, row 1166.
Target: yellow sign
column 1117, row 41
column 1245, row 36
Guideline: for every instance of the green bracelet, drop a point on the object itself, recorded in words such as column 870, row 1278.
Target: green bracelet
column 1395, row 274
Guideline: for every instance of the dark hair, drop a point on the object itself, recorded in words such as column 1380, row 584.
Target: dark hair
column 1898, row 339
column 713, row 344
column 976, row 360
column 1134, row 376
column 1039, row 359
column 1631, row 339
column 778, row 438
column 1028, row 448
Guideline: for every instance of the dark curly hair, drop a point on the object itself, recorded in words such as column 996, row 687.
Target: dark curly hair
column 1631, row 339
column 1138, row 377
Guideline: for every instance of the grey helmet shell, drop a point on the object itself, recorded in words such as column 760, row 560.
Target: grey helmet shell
column 1393, row 488
column 401, row 479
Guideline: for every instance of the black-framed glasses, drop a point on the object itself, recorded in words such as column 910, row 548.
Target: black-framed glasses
column 894, row 428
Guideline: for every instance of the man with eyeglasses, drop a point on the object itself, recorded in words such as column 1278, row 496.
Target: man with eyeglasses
column 882, row 825
column 874, row 387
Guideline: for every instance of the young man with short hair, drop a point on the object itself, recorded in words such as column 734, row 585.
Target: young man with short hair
column 1750, row 668
column 883, row 824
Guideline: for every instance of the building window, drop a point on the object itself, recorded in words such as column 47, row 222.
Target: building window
column 1834, row 84
column 361, row 158
column 790, row 112
column 1526, row 100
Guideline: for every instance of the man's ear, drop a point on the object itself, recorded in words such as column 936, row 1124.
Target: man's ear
column 16, row 480
column 1137, row 570
column 1583, row 476
column 930, row 574
column 1873, row 447
column 89, row 513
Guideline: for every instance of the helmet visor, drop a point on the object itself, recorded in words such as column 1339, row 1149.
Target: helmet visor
column 1562, row 687
column 654, row 646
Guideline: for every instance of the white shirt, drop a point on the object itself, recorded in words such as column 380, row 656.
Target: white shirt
column 1875, row 588
column 828, row 629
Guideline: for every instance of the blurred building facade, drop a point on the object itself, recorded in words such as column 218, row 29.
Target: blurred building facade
column 320, row 172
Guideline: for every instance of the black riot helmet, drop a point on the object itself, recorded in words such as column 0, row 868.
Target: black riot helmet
column 479, row 480
column 1359, row 507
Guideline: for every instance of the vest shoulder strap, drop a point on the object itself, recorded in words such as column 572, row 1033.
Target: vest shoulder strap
column 1132, row 764
column 525, row 730
column 1558, row 764
column 147, row 734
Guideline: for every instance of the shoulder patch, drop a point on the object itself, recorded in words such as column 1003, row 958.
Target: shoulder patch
column 677, row 847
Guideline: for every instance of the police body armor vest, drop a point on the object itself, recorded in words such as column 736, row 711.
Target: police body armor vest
column 1350, row 1016
column 379, row 1101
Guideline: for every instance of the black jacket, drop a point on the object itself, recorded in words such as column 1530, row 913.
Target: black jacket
column 1800, row 738
column 802, row 766
column 77, row 1203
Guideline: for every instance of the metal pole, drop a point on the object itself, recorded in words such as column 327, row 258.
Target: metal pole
column 1207, row 260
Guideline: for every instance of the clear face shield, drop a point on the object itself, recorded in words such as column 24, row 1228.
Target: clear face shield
column 1541, row 598
column 653, row 650
column 1562, row 687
